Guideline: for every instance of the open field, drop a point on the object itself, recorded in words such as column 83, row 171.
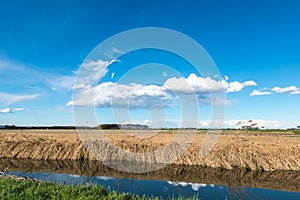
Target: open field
column 252, row 150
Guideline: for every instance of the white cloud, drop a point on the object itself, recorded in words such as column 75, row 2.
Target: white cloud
column 9, row 110
column 164, row 74
column 98, row 68
column 91, row 72
column 9, row 99
column 59, row 82
column 195, row 84
column 135, row 95
column 113, row 53
column 295, row 92
column 291, row 90
column 268, row 124
column 138, row 95
column 112, row 75
column 233, row 86
column 249, row 83
column 259, row 93
column 115, row 50
column 6, row 110
column 19, row 109
column 237, row 86
column 30, row 78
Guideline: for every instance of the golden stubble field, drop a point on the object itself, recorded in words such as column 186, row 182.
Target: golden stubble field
column 253, row 150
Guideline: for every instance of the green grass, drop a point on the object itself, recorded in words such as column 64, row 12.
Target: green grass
column 296, row 131
column 41, row 139
column 28, row 189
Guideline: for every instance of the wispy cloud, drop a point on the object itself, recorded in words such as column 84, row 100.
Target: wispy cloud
column 91, row 71
column 31, row 79
column 9, row 99
column 61, row 82
column 113, row 53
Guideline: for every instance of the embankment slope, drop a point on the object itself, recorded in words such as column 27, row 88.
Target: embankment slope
column 234, row 149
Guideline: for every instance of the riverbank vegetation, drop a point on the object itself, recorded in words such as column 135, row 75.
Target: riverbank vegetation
column 14, row 188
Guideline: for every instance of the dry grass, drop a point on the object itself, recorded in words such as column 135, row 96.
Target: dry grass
column 254, row 150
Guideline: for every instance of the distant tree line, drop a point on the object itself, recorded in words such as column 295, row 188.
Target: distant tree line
column 101, row 126
column 122, row 126
column 14, row 127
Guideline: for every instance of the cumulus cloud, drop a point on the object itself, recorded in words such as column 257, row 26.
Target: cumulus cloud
column 291, row 90
column 249, row 83
column 195, row 84
column 6, row 110
column 9, row 99
column 137, row 95
column 112, row 94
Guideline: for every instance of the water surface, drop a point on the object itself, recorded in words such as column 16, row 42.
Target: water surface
column 206, row 183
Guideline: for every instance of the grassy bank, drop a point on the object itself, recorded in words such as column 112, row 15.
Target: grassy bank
column 11, row 188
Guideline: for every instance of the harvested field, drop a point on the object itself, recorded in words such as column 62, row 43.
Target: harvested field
column 262, row 151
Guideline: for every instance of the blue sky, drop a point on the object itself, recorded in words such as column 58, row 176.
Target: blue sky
column 44, row 43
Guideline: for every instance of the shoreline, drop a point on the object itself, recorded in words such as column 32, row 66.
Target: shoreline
column 278, row 180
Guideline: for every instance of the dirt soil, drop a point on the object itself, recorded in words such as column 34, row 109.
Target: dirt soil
column 261, row 151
